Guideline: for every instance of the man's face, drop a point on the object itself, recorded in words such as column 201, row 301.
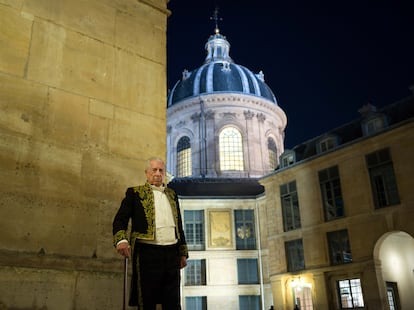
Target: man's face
column 155, row 173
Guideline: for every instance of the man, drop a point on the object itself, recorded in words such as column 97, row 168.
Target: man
column 157, row 242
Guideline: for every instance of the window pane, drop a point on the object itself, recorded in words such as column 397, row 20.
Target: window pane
column 339, row 249
column 247, row 271
column 294, row 255
column 350, row 294
column 184, row 157
column 383, row 182
column 196, row 303
column 194, row 229
column 245, row 230
column 231, row 150
column 195, row 272
column 290, row 206
column 249, row 302
column 271, row 147
column 331, row 193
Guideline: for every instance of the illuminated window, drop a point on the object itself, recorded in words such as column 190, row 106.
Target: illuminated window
column 271, row 147
column 184, row 157
column 330, row 184
column 350, row 294
column 231, row 150
column 392, row 296
column 383, row 182
column 303, row 297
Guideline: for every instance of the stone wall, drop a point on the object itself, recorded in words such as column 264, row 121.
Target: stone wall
column 82, row 100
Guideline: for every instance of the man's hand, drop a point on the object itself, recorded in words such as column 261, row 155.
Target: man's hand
column 183, row 262
column 124, row 249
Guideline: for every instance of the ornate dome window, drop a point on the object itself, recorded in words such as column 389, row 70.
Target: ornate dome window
column 184, row 157
column 271, row 147
column 231, row 149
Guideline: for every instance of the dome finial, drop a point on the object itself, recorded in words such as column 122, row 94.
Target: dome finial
column 216, row 19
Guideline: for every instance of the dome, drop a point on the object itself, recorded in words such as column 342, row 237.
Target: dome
column 219, row 74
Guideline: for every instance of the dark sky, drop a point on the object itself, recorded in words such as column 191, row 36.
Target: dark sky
column 322, row 59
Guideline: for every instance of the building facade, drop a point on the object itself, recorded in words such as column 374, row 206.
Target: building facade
column 78, row 81
column 325, row 225
column 339, row 214
column 224, row 131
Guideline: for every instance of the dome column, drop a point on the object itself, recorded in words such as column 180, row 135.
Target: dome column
column 254, row 160
column 211, row 144
column 264, row 153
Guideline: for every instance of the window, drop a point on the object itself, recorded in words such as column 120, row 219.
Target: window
column 231, row 150
column 249, row 302
column 330, row 184
column 194, row 229
column 271, row 147
column 184, row 157
column 247, row 271
column 290, row 206
column 303, row 297
column 383, row 182
column 287, row 158
column 339, row 249
column 374, row 124
column 294, row 255
column 350, row 294
column 393, row 296
column 326, row 144
column 195, row 272
column 245, row 230
column 196, row 303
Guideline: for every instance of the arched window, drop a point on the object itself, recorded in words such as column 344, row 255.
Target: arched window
column 231, row 149
column 184, row 157
column 271, row 148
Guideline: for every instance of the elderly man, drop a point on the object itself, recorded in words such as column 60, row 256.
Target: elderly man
column 157, row 242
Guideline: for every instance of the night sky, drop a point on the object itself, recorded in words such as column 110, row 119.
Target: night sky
column 322, row 59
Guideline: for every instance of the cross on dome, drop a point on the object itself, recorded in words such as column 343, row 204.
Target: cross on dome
column 216, row 18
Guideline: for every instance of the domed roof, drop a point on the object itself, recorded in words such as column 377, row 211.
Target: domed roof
column 219, row 74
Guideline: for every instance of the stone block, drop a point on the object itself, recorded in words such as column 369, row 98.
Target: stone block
column 71, row 61
column 131, row 87
column 15, row 33
column 101, row 109
column 142, row 34
column 93, row 19
column 136, row 135
column 22, row 105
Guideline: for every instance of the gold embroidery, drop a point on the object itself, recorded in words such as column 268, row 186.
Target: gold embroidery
column 147, row 200
column 120, row 235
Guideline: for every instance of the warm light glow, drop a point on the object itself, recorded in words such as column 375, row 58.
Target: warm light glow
column 299, row 283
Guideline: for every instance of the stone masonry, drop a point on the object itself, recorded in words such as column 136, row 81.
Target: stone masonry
column 82, row 100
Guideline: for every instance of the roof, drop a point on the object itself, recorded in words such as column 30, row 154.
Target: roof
column 217, row 187
column 219, row 74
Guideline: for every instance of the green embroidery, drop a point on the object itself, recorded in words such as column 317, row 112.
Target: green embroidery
column 147, row 200
column 120, row 235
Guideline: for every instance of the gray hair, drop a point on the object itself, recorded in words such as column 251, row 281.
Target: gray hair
column 154, row 158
